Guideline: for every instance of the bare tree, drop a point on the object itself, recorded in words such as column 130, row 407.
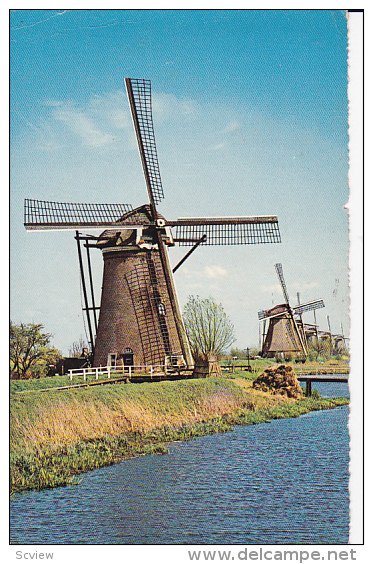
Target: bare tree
column 209, row 329
column 242, row 353
column 77, row 347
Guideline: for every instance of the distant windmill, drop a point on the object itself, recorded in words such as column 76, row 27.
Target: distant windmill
column 285, row 334
column 140, row 321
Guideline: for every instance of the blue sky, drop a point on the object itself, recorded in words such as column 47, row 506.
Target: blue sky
column 250, row 111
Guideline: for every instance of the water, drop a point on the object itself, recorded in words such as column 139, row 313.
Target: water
column 283, row 482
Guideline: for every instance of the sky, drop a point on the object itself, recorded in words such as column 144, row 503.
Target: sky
column 250, row 116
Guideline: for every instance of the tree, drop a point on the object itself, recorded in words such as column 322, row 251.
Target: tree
column 30, row 352
column 77, row 347
column 242, row 353
column 209, row 329
column 319, row 348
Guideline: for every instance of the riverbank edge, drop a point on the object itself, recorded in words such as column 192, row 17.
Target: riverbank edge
column 53, row 467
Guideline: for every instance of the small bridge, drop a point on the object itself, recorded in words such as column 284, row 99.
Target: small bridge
column 309, row 378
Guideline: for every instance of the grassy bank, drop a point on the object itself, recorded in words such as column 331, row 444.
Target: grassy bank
column 257, row 366
column 309, row 366
column 45, row 383
column 57, row 435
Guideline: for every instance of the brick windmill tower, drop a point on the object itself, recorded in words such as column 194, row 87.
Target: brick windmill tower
column 286, row 332
column 139, row 320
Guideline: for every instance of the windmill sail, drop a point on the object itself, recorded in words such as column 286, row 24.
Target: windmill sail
column 309, row 306
column 248, row 230
column 281, row 278
column 140, row 100
column 39, row 214
column 301, row 308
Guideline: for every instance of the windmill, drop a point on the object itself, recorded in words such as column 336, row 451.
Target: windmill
column 286, row 332
column 139, row 320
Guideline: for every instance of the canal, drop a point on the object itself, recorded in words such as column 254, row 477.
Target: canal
column 283, row 482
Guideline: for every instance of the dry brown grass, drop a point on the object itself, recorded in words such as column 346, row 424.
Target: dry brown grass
column 63, row 421
column 261, row 400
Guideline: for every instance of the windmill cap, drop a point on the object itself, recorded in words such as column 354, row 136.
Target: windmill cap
column 140, row 216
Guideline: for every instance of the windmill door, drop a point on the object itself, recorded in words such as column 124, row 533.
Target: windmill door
column 128, row 357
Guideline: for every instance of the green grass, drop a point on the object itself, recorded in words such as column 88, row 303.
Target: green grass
column 41, row 383
column 257, row 365
column 56, row 436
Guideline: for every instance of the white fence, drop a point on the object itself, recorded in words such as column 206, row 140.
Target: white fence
column 109, row 371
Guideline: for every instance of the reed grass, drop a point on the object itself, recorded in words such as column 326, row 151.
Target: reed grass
column 57, row 435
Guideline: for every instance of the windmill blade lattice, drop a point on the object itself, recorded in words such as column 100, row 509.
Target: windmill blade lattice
column 281, row 278
column 309, row 306
column 39, row 214
column 227, row 231
column 140, row 99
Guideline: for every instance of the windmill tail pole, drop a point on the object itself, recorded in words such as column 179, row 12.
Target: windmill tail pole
column 202, row 240
column 91, row 286
column 77, row 237
column 300, row 336
column 263, row 335
column 316, row 328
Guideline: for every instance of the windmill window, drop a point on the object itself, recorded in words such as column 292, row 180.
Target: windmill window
column 128, row 357
column 112, row 360
column 161, row 309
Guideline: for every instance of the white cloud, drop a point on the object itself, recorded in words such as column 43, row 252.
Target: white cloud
column 97, row 122
column 215, row 271
column 111, row 109
column 83, row 126
column 167, row 105
column 231, row 126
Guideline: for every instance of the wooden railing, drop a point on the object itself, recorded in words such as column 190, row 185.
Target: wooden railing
column 322, row 369
column 130, row 371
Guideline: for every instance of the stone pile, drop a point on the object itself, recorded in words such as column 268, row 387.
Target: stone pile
column 279, row 380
